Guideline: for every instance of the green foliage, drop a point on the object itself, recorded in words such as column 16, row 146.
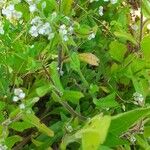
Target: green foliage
column 117, row 51
column 75, row 75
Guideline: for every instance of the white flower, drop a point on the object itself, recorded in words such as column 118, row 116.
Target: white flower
column 91, row 36
column 22, row 95
column 139, row 98
column 113, row 1
column 17, row 91
column 45, row 29
column 32, row 8
column 100, row 10
column 63, row 32
column 40, row 28
column 36, row 21
column 18, row 94
column 11, row 13
column 22, row 106
column 34, row 31
column 15, row 99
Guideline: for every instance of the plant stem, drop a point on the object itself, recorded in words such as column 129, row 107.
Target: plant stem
column 141, row 24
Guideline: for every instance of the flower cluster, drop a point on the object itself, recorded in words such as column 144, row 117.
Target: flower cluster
column 19, row 95
column 64, row 32
column 40, row 28
column 10, row 13
column 139, row 99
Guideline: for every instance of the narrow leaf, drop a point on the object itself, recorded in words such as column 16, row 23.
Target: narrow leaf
column 33, row 120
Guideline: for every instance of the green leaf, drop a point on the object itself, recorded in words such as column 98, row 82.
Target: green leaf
column 95, row 132
column 66, row 6
column 10, row 141
column 122, row 122
column 20, row 126
column 72, row 96
column 126, row 36
column 114, row 140
column 117, row 50
column 145, row 47
column 106, row 102
column 125, row 120
column 35, row 121
column 74, row 62
column 147, row 131
column 43, row 90
column 55, row 76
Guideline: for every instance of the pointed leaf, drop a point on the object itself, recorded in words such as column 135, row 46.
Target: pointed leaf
column 33, row 120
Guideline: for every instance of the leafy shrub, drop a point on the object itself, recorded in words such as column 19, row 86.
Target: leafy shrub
column 74, row 74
